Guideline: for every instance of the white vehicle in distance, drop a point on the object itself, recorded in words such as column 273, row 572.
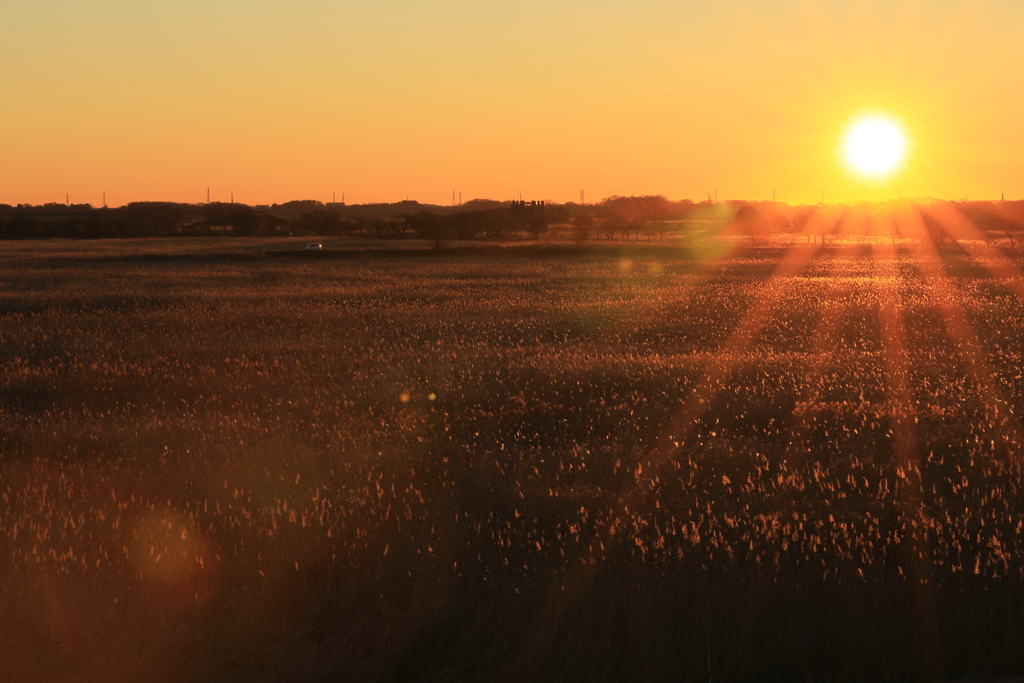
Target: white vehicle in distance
column 314, row 246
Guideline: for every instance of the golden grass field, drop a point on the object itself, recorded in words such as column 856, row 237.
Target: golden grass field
column 624, row 462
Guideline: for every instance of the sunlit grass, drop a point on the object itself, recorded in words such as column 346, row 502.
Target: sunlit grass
column 207, row 458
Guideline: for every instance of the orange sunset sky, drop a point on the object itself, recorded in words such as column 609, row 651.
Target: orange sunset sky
column 273, row 100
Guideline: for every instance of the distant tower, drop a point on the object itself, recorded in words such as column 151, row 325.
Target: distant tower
column 334, row 198
column 583, row 200
column 460, row 199
column 207, row 195
column 67, row 198
column 342, row 197
column 104, row 199
column 232, row 197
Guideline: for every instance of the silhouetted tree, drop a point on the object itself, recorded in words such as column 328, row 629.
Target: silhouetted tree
column 498, row 223
column 155, row 218
column 397, row 227
column 556, row 213
column 467, row 225
column 320, row 221
column 611, row 225
column 430, row 227
column 934, row 230
column 275, row 225
column 239, row 218
column 582, row 226
column 752, row 223
column 537, row 226
column 997, row 218
column 653, row 207
column 631, row 226
column 1011, row 230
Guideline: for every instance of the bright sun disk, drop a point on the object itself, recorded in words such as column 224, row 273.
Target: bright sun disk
column 874, row 146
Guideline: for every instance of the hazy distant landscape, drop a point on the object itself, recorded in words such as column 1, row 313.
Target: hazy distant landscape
column 716, row 453
column 645, row 218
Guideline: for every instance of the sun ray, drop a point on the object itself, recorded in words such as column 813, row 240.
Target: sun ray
column 975, row 243
column 904, row 436
column 824, row 348
column 646, row 310
column 758, row 314
column 954, row 318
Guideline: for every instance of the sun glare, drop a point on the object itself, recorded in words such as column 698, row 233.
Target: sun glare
column 874, row 146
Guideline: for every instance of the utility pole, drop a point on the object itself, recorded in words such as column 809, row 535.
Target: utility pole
column 67, row 199
column 104, row 199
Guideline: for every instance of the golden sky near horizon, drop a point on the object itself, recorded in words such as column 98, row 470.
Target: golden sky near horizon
column 273, row 101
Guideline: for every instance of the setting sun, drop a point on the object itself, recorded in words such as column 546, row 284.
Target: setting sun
column 874, row 146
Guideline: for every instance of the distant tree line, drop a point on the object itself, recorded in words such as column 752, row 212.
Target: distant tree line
column 478, row 219
column 138, row 219
column 624, row 218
